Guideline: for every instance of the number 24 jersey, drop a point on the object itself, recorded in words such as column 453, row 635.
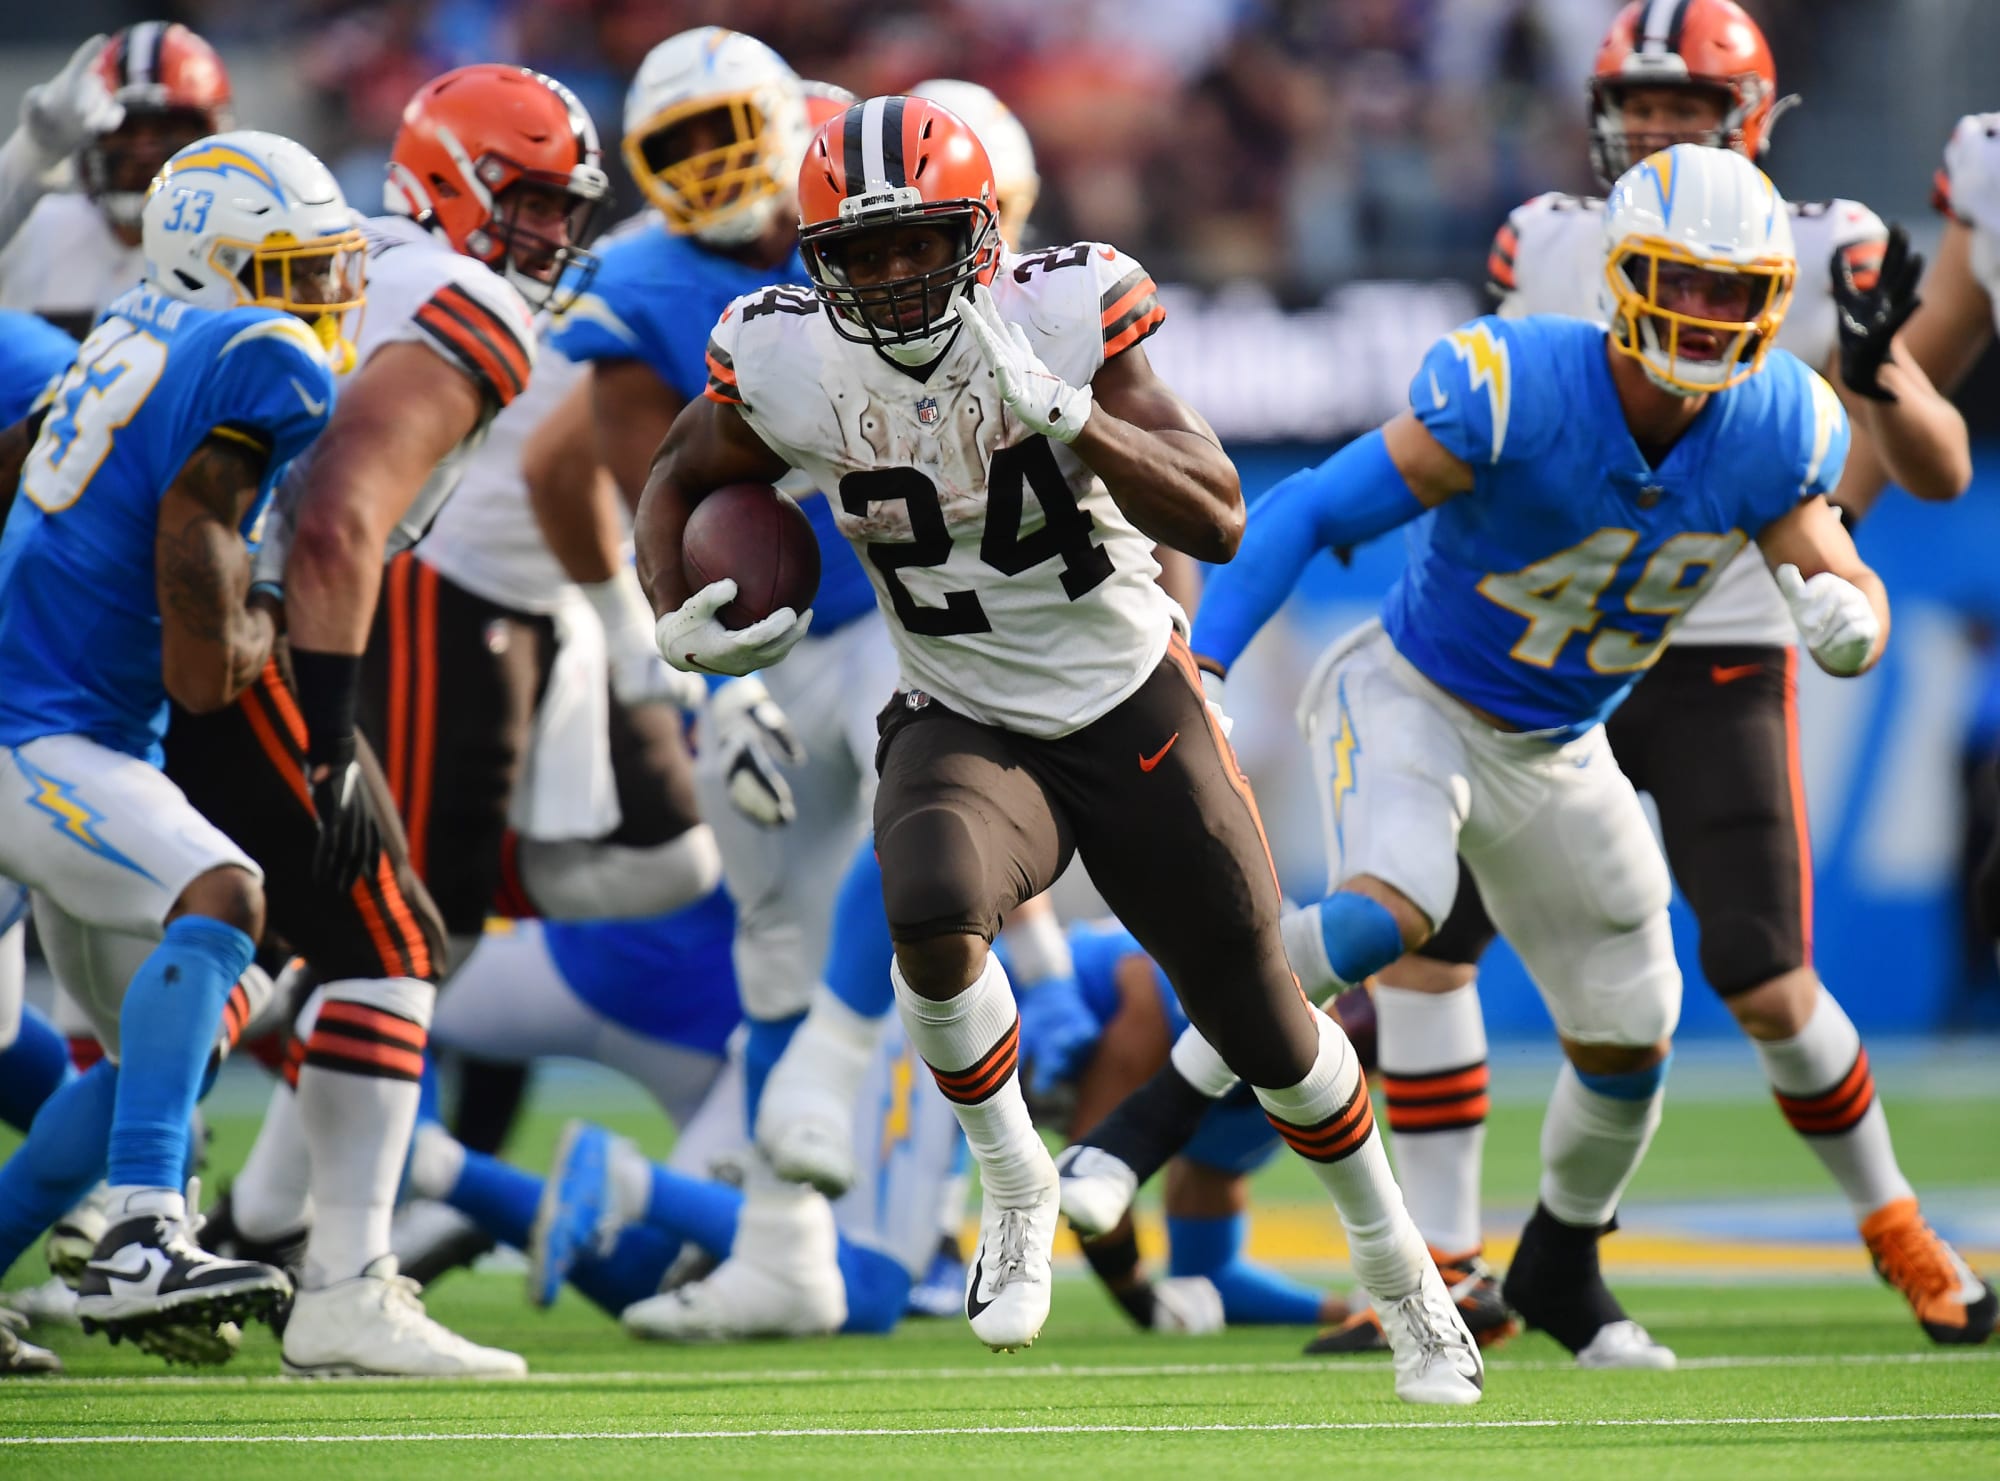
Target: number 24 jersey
column 1544, row 593
column 1017, row 592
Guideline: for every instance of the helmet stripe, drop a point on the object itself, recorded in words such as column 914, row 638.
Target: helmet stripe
column 1660, row 27
column 874, row 169
column 143, row 52
column 892, row 143
column 121, row 50
column 852, row 174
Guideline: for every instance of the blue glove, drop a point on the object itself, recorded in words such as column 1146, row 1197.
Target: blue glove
column 1058, row 1032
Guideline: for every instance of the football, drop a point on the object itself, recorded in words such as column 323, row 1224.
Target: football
column 753, row 535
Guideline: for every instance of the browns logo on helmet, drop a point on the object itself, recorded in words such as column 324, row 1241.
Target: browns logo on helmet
column 887, row 177
column 1709, row 47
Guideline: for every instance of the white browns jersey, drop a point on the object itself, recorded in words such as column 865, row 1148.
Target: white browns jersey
column 486, row 537
column 1968, row 190
column 67, row 264
column 1549, row 259
column 420, row 291
column 1017, row 592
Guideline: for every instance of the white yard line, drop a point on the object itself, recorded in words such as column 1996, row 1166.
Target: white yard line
column 1371, row 1368
column 516, row 1436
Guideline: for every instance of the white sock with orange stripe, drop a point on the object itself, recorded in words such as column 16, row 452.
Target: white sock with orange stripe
column 1328, row 1121
column 1432, row 1060
column 1823, row 1085
column 972, row 1044
column 358, row 1092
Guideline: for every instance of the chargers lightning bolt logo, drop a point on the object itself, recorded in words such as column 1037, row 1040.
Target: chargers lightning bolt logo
column 1486, row 363
column 74, row 818
column 1346, row 746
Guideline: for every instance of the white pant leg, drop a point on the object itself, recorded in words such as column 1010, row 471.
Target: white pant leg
column 1392, row 773
column 906, row 1152
column 94, row 966
column 13, row 982
column 784, row 880
column 713, row 1135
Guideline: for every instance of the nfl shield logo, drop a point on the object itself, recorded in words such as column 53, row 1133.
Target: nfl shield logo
column 927, row 411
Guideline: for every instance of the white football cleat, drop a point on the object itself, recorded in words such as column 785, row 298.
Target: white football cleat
column 1008, row 1286
column 1097, row 1188
column 1625, row 1344
column 1188, row 1306
column 805, row 1118
column 1437, row 1361
column 73, row 1238
column 810, row 1145
column 782, row 1277
column 50, row 1304
column 373, row 1326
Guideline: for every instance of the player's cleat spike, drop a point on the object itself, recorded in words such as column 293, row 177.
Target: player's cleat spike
column 1625, row 1344
column 150, row 1281
column 20, row 1358
column 1472, row 1285
column 1556, row 1284
column 782, row 1277
column 1007, row 1289
column 1953, row 1305
column 73, row 1238
column 1096, row 1188
column 575, row 1215
column 1437, row 1362
column 374, row 1326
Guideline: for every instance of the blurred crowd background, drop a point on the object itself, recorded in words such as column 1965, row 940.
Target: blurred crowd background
column 1315, row 183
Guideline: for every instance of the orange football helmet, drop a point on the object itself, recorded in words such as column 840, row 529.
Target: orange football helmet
column 175, row 90
column 897, row 162
column 476, row 136
column 1707, row 45
column 825, row 100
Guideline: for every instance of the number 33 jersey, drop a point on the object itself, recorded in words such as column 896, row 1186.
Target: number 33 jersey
column 1017, row 592
column 1543, row 594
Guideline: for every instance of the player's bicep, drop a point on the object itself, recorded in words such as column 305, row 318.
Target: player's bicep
column 201, row 566
column 1812, row 538
column 1127, row 386
column 1433, row 471
column 633, row 410
column 396, row 420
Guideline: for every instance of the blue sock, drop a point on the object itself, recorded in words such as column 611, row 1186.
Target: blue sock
column 878, row 1288
column 167, row 1026
column 62, row 1157
column 631, row 1272
column 762, row 1045
column 1252, row 1295
column 499, row 1198
column 695, row 1209
column 32, row 1068
column 858, row 949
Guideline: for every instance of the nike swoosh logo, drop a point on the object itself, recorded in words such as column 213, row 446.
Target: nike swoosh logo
column 1109, row 254
column 973, row 1305
column 1729, row 674
column 317, row 408
column 131, row 1273
column 1147, row 763
column 1438, row 397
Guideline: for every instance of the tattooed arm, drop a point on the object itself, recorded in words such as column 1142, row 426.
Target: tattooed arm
column 212, row 643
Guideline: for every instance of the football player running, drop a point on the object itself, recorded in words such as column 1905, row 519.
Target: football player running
column 1735, row 830
column 118, row 110
column 1048, row 704
column 715, row 128
column 494, row 180
column 1590, row 486
column 154, row 462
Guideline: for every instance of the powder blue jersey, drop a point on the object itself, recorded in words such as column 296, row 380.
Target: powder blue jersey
column 1543, row 594
column 33, row 352
column 670, row 978
column 79, row 620
column 655, row 298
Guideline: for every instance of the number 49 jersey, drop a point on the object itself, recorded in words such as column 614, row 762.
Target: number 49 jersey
column 79, row 618
column 1017, row 592
column 1543, row 594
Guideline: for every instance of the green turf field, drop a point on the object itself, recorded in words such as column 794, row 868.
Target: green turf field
column 1818, row 1379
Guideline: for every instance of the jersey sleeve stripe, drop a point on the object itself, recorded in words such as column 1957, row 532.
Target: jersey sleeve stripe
column 1500, row 260
column 518, row 353
column 473, row 349
column 1121, row 294
column 1135, row 329
column 1941, row 197
column 722, row 377
column 244, row 436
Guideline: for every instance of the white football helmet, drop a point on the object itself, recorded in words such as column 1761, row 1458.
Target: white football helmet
column 1687, row 209
column 1016, row 182
column 254, row 218
column 723, row 194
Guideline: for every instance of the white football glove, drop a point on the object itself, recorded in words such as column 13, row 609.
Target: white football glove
column 691, row 639
column 1043, row 400
column 1833, row 616
column 752, row 737
column 1188, row 1305
column 638, row 676
column 71, row 108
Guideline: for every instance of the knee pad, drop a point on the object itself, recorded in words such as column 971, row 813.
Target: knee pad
column 1625, row 990
column 934, row 876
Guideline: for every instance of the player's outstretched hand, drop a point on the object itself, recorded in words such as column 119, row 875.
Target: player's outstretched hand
column 1057, row 1033
column 349, row 837
column 1869, row 317
column 691, row 639
column 752, row 738
column 1042, row 399
column 1833, row 616
column 72, row 107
